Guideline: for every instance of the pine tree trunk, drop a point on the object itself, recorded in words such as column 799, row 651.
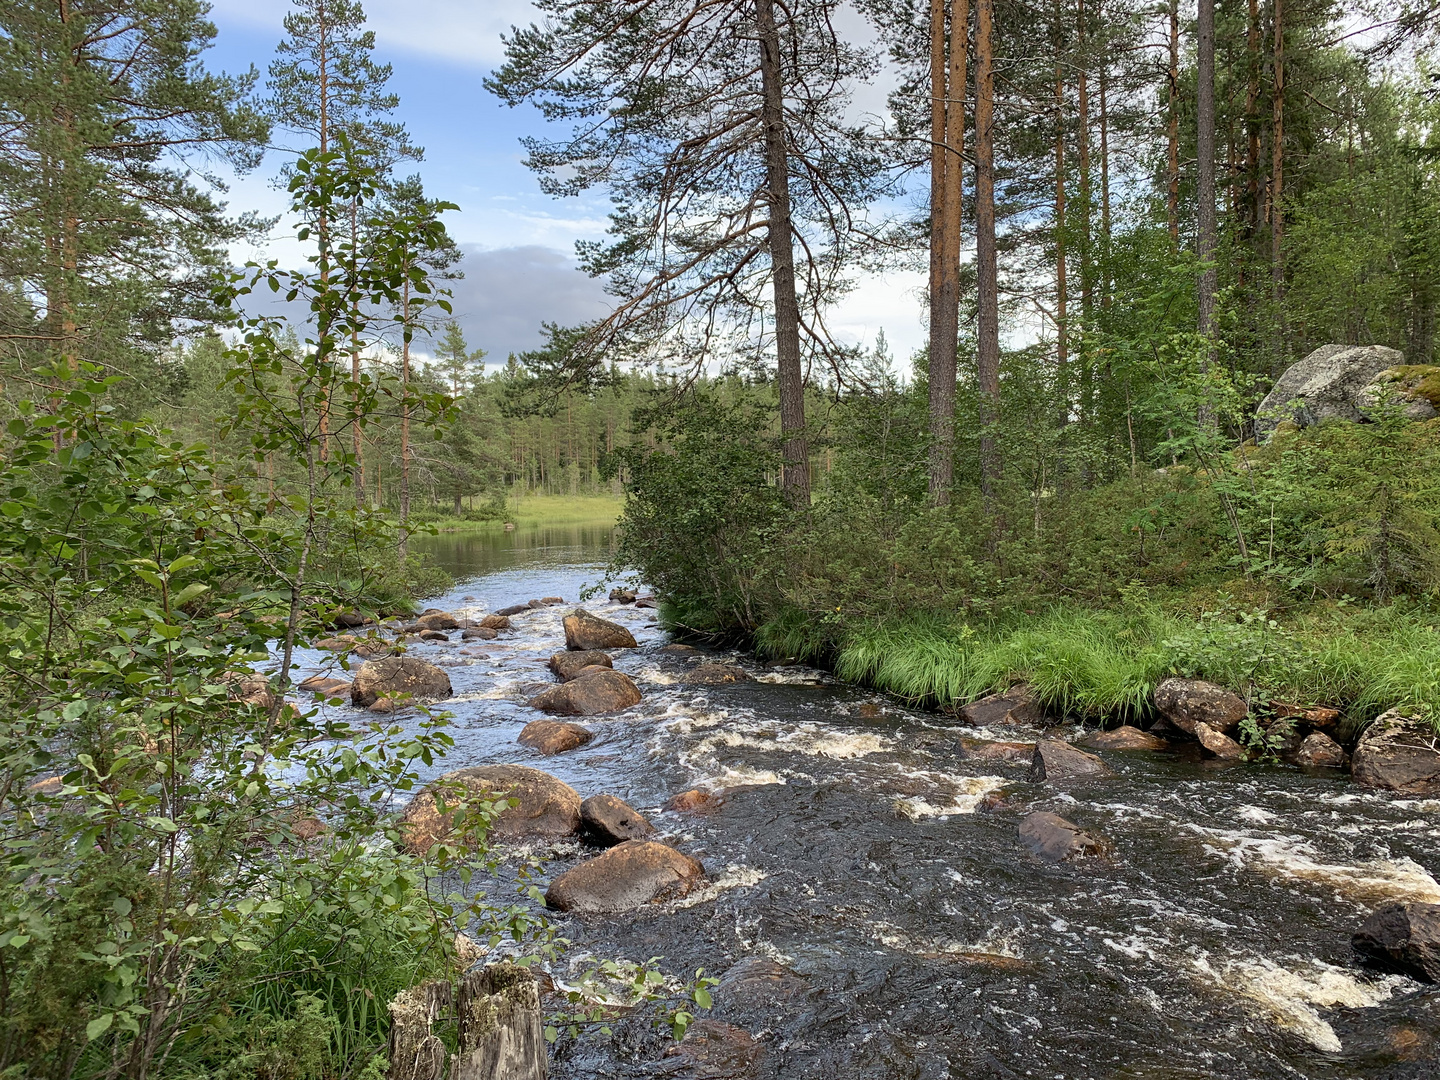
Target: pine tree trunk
column 1254, row 209
column 987, row 354
column 1082, row 143
column 1104, row 183
column 1205, row 163
column 405, row 424
column 795, row 472
column 1277, row 183
column 1172, row 201
column 1062, row 297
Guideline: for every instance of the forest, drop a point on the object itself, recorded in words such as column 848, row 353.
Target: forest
column 1177, row 416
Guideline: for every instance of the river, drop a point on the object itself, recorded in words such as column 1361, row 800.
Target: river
column 856, row 847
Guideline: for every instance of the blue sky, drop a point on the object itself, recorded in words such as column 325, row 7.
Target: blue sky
column 518, row 242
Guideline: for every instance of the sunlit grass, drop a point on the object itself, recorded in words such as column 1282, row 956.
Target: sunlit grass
column 535, row 510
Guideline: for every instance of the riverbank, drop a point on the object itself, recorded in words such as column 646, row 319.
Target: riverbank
column 539, row 510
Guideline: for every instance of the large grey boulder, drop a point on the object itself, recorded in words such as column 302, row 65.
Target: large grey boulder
column 1398, row 753
column 1415, row 388
column 1329, row 384
column 628, row 876
column 540, row 807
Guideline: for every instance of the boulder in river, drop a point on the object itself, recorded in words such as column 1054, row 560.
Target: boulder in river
column 627, row 877
column 990, row 750
column 1403, row 938
column 513, row 609
column 325, row 686
column 1052, row 838
column 622, row 595
column 1328, row 384
column 553, row 736
column 568, row 665
column 1187, row 702
column 479, row 633
column 251, row 688
column 1055, row 759
column 436, row 621
column 714, row 1050
column 1124, row 737
column 350, row 620
column 600, row 692
column 677, row 647
column 606, row 821
column 491, row 622
column 397, row 675
column 1016, row 706
column 545, row 808
column 695, row 801
column 1319, row 751
column 584, row 631
column 1218, row 743
column 717, row 674
column 1398, row 753
column 434, row 635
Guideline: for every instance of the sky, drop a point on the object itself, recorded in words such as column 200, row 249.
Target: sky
column 518, row 242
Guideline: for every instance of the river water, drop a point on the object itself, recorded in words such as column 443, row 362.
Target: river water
column 856, row 846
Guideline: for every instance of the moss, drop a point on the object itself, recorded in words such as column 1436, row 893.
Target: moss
column 1416, row 381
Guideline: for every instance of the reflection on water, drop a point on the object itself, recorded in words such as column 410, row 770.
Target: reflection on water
column 472, row 554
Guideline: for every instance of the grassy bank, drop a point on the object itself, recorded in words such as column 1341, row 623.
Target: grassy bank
column 536, row 510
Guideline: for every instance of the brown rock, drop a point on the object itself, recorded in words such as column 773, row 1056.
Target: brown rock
column 386, row 705
column 492, row 622
column 324, row 686
column 50, row 785
column 714, row 1050
column 1187, row 702
column 436, row 621
column 757, row 982
column 1052, row 838
column 1016, row 706
column 985, row 750
column 595, row 694
column 1057, row 760
column 434, row 635
column 399, row 675
column 545, row 808
column 694, row 801
column 1319, row 751
column 1403, row 938
column 338, row 643
column 676, row 647
column 606, row 821
column 568, row 665
column 308, row 828
column 250, row 688
column 552, row 736
column 623, row 596
column 552, row 601
column 717, row 674
column 513, row 609
column 1314, row 717
column 628, row 876
column 584, row 631
column 1397, row 753
column 869, row 711
column 1218, row 743
column 350, row 620
column 372, row 648
column 646, row 602
column 1123, row 738
column 479, row 633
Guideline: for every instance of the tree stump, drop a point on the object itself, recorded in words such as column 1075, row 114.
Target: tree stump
column 415, row 1052
column 501, row 1037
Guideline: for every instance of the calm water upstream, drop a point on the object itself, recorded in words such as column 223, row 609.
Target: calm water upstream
column 855, row 847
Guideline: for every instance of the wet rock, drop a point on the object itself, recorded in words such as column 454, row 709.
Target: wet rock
column 1057, row 760
column 552, row 601
column 623, row 596
column 435, row 621
column 1319, row 751
column 1052, row 838
column 1329, row 384
column 646, row 602
column 434, row 635
column 250, row 688
column 696, row 800
column 545, row 808
column 372, row 648
column 1124, row 737
column 387, row 705
column 50, row 785
column 676, row 647
column 1398, row 753
column 1016, row 706
column 338, row 643
column 553, row 736
column 399, row 675
column 628, row 876
column 568, row 665
column 986, row 750
column 599, row 692
column 1308, row 717
column 350, row 620
column 606, row 821
column 714, row 1050
column 717, row 674
column 868, row 710
column 513, row 609
column 1218, row 743
column 1403, row 938
column 1187, row 702
column 478, row 654
column 479, row 633
column 324, row 686
column 491, row 622
column 584, row 631
column 757, row 982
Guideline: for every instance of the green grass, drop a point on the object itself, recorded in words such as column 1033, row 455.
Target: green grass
column 535, row 510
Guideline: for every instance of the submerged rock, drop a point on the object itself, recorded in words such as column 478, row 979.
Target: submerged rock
column 757, row 982
column 1329, row 384
column 1403, row 938
column 553, row 736
column 1124, row 737
column 677, row 647
column 398, row 675
column 606, row 821
column 1057, row 760
column 987, row 750
column 1319, row 751
column 714, row 1050
column 1187, row 702
column 1398, row 753
column 696, row 800
column 717, row 674
column 594, row 694
column 628, row 876
column 513, row 609
column 545, row 808
column 1016, row 706
column 1052, row 838
column 584, row 631
column 1218, row 743
column 568, row 665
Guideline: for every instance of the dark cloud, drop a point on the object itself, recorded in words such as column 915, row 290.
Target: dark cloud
column 508, row 292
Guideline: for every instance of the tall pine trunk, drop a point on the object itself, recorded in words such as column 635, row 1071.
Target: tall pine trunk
column 1205, row 163
column 795, row 472
column 1062, row 297
column 1172, row 134
column 1277, row 184
column 987, row 353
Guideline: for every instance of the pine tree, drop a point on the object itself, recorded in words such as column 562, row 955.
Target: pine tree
column 455, row 358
